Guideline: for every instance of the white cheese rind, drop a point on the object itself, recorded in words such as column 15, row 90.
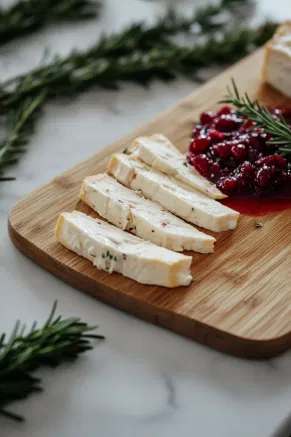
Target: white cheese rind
column 111, row 249
column 277, row 64
column 159, row 153
column 129, row 211
column 189, row 204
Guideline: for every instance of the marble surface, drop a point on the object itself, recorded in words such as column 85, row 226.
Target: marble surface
column 142, row 380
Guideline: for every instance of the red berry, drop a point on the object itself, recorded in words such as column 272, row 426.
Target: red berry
column 202, row 164
column 215, row 135
column 281, row 162
column 239, row 152
column 228, row 185
column 275, row 159
column 246, row 169
column 199, row 144
column 228, row 123
column 206, row 117
column 223, row 111
column 222, row 150
column 263, row 177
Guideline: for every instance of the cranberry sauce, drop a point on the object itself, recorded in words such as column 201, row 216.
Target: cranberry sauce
column 257, row 205
column 232, row 152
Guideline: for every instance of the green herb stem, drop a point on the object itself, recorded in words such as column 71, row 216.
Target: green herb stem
column 101, row 65
column 20, row 125
column 27, row 16
column 59, row 340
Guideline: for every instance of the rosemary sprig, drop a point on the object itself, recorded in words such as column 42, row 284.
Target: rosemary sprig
column 109, row 63
column 20, row 124
column 259, row 114
column 57, row 341
column 27, row 16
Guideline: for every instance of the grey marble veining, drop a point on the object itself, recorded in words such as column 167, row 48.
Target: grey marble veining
column 142, row 381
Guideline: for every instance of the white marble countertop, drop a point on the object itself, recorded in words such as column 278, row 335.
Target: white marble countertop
column 143, row 380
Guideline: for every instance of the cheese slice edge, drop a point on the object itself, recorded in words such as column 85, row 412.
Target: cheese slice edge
column 158, row 152
column 127, row 210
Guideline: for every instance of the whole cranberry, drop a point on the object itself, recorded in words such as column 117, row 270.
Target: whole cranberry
column 274, row 159
column 228, row 185
column 206, row 117
column 227, row 123
column 202, row 164
column 263, row 177
column 199, row 144
column 246, row 169
column 216, row 136
column 222, row 150
column 224, row 110
column 239, row 152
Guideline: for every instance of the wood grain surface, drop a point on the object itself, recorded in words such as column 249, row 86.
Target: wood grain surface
column 240, row 299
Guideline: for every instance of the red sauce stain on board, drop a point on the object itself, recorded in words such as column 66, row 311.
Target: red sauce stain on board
column 257, row 206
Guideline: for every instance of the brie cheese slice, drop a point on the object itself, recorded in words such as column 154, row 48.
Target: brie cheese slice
column 111, row 249
column 277, row 63
column 129, row 211
column 158, row 152
column 180, row 199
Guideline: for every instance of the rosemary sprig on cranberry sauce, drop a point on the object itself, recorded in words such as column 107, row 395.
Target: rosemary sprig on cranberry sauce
column 240, row 147
column 273, row 122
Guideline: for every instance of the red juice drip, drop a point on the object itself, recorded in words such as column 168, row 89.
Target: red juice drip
column 257, row 206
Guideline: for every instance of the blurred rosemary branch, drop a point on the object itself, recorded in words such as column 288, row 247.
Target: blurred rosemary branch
column 140, row 54
column 57, row 341
column 27, row 16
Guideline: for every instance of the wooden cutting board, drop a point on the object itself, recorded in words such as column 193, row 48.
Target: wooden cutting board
column 240, row 299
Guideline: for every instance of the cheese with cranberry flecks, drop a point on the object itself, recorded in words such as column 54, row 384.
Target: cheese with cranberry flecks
column 181, row 200
column 128, row 210
column 158, row 152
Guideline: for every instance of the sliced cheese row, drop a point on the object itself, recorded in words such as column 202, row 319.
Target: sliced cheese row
column 149, row 183
column 181, row 200
column 129, row 211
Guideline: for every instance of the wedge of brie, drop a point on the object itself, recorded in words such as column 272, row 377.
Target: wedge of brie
column 158, row 152
column 111, row 249
column 181, row 200
column 128, row 210
column 277, row 63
